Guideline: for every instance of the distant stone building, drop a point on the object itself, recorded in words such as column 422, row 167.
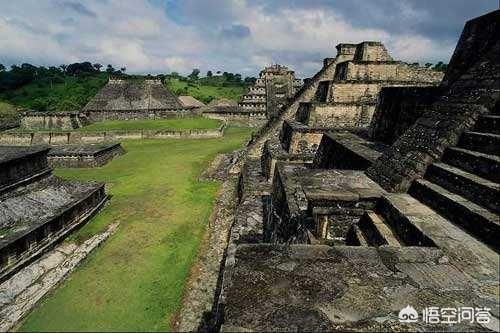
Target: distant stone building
column 134, row 99
column 275, row 85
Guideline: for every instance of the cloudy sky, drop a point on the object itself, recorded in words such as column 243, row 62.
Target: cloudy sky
column 242, row 36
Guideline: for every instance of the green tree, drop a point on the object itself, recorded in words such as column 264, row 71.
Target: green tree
column 2, row 68
column 209, row 74
column 97, row 67
column 110, row 69
column 194, row 74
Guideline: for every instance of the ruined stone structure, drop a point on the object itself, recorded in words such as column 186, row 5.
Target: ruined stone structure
column 32, row 120
column 127, row 100
column 390, row 201
column 275, row 85
column 83, row 156
column 37, row 208
column 347, row 100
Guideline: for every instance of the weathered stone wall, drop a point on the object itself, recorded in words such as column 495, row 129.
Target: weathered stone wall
column 49, row 120
column 386, row 71
column 347, row 92
column 398, row 108
column 296, row 138
column 252, row 119
column 76, row 160
column 479, row 39
column 29, row 164
column 95, row 116
column 345, row 150
column 371, row 51
column 305, row 142
column 340, row 115
column 60, row 138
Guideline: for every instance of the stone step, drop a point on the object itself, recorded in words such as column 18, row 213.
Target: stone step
column 355, row 237
column 474, row 188
column 483, row 165
column 488, row 124
column 482, row 142
column 376, row 231
column 477, row 220
column 406, row 232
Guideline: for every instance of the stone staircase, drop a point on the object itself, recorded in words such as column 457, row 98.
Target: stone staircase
column 462, row 190
column 464, row 187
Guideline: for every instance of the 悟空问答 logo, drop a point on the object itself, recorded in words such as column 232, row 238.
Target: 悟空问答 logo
column 408, row 315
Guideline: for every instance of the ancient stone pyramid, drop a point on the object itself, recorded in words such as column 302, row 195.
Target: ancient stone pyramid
column 123, row 95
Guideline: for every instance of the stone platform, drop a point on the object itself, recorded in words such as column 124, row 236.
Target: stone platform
column 321, row 288
column 38, row 209
column 83, row 156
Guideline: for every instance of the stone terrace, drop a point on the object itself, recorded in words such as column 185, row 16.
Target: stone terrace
column 37, row 208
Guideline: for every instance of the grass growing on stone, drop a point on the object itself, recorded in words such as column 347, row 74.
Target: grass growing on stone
column 178, row 123
column 134, row 282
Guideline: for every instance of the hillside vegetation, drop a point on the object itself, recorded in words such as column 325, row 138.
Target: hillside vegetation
column 205, row 92
column 70, row 87
column 9, row 116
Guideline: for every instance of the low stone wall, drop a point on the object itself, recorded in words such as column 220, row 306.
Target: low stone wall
column 17, row 167
column 297, row 138
column 62, row 138
column 94, row 115
column 66, row 158
column 345, row 150
column 252, row 119
column 52, row 120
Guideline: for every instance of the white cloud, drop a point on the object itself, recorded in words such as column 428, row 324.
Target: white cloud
column 143, row 38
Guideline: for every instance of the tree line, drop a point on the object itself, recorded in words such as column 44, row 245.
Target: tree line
column 219, row 79
column 20, row 75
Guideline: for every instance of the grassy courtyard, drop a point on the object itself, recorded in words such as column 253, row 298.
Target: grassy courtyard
column 134, row 282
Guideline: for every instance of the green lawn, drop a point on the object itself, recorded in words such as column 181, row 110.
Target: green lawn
column 205, row 93
column 180, row 123
column 134, row 282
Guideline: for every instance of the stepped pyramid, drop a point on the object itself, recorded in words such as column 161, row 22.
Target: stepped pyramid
column 275, row 85
column 138, row 99
column 374, row 195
